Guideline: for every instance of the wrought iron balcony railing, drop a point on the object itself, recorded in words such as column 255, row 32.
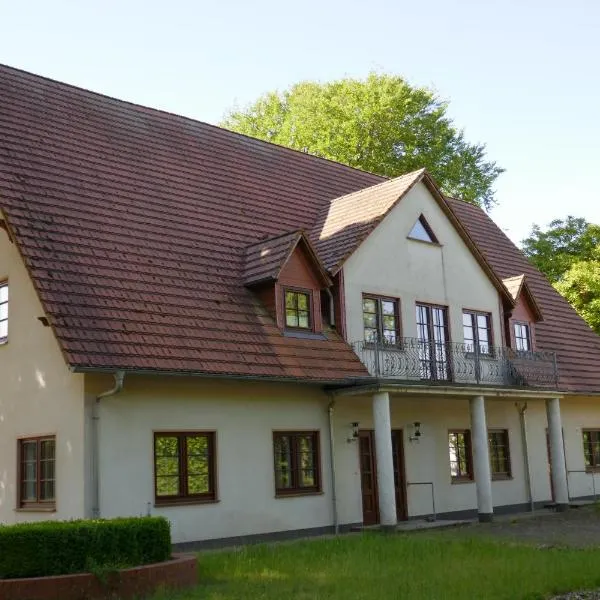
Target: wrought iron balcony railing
column 411, row 359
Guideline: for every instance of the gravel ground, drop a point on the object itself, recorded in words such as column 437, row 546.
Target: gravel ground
column 576, row 528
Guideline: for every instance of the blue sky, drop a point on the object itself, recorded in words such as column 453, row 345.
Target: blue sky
column 522, row 77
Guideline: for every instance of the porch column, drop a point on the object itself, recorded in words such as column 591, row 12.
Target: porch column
column 557, row 454
column 481, row 459
column 385, row 462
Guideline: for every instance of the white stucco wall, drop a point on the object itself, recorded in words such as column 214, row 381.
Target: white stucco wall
column 428, row 460
column 389, row 264
column 38, row 396
column 243, row 415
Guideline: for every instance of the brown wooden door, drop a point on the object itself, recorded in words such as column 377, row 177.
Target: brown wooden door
column 368, row 475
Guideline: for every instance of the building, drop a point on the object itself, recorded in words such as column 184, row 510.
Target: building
column 251, row 341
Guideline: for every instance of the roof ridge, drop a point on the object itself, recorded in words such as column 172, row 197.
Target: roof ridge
column 185, row 117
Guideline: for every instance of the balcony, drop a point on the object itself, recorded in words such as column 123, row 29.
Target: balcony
column 415, row 360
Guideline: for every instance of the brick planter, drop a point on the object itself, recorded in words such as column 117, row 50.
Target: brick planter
column 179, row 572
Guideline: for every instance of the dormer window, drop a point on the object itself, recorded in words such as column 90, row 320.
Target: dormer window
column 422, row 232
column 522, row 337
column 298, row 309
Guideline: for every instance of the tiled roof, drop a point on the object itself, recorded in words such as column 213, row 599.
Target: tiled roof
column 266, row 258
column 343, row 223
column 577, row 346
column 134, row 225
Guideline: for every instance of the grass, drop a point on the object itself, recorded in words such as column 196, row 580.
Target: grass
column 432, row 566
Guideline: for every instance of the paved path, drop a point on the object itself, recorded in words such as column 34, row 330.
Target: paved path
column 578, row 528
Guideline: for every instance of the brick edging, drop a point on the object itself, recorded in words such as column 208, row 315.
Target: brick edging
column 179, row 572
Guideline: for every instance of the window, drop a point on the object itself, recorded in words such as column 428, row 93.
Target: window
column 499, row 453
column 422, row 231
column 184, row 467
column 433, row 337
column 296, row 462
column 522, row 337
column 381, row 320
column 591, row 449
column 3, row 312
column 297, row 309
column 477, row 332
column 37, row 472
column 459, row 447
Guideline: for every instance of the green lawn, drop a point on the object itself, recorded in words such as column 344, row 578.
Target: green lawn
column 418, row 566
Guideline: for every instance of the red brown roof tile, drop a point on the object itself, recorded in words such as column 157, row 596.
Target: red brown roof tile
column 137, row 226
column 563, row 331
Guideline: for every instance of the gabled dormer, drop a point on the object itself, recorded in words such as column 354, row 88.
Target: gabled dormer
column 288, row 277
column 520, row 322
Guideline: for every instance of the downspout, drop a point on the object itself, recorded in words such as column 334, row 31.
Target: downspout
column 336, row 527
column 331, row 307
column 522, row 409
column 119, row 378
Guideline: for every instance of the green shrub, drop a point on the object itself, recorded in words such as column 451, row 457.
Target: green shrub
column 61, row 547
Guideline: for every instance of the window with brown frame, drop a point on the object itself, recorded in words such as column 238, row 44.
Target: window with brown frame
column 461, row 458
column 37, row 472
column 297, row 462
column 3, row 312
column 477, row 332
column 298, row 309
column 422, row 232
column 381, row 319
column 184, row 467
column 522, row 337
column 433, row 336
column 591, row 449
column 499, row 453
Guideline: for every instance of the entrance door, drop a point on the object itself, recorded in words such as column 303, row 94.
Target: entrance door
column 368, row 475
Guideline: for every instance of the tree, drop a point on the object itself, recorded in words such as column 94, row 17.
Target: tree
column 563, row 243
column 580, row 285
column 381, row 124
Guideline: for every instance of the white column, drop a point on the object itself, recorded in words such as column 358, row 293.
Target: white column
column 557, row 454
column 481, row 459
column 385, row 461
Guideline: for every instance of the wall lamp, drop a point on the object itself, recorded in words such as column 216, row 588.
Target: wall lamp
column 354, row 435
column 416, row 435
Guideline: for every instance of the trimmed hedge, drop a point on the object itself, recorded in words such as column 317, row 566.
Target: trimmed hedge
column 61, row 547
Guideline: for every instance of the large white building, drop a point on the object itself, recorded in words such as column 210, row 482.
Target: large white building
column 253, row 341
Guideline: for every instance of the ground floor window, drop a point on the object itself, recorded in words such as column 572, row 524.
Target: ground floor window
column 297, row 462
column 184, row 467
column 37, row 472
column 461, row 459
column 499, row 453
column 591, row 449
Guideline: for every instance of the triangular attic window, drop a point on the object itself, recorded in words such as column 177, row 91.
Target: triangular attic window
column 421, row 231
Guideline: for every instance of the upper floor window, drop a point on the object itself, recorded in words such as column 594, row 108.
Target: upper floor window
column 297, row 460
column 381, row 319
column 477, row 332
column 298, row 309
column 422, row 231
column 3, row 312
column 433, row 336
column 591, row 449
column 37, row 472
column 184, row 467
column 522, row 337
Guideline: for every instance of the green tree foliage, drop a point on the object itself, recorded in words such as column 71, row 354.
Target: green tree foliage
column 580, row 285
column 381, row 124
column 564, row 242
column 568, row 253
